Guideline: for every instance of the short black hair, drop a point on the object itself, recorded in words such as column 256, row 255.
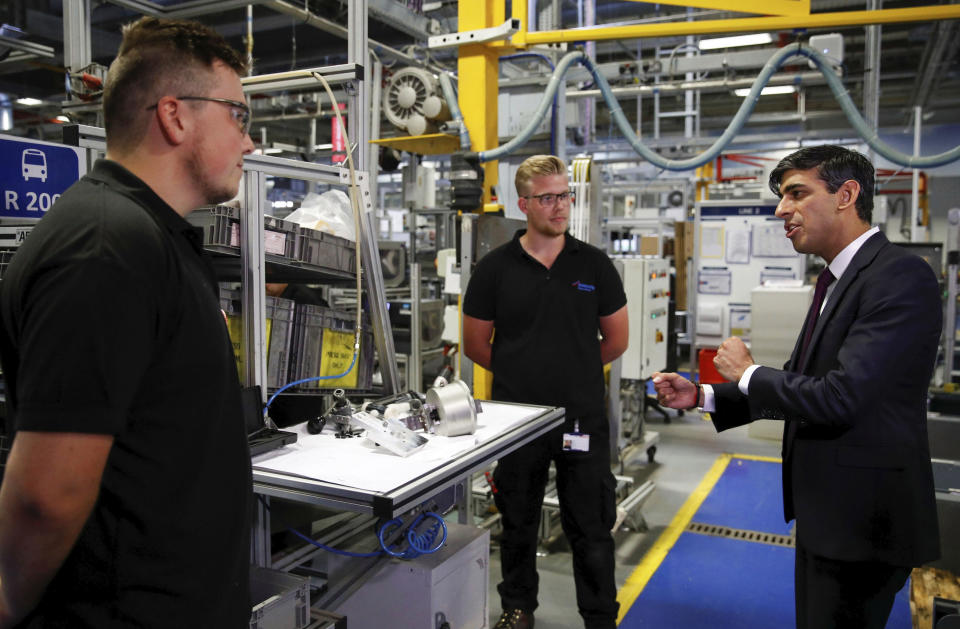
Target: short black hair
column 159, row 57
column 835, row 165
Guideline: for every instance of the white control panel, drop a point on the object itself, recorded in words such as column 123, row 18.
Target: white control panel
column 647, row 284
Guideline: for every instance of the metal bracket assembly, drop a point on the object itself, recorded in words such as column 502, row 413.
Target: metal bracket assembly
column 479, row 36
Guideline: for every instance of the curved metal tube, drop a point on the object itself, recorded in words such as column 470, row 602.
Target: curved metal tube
column 446, row 86
column 869, row 135
column 553, row 105
column 552, row 85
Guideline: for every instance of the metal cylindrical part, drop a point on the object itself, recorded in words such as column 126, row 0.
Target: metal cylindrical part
column 435, row 108
column 417, row 124
column 456, row 408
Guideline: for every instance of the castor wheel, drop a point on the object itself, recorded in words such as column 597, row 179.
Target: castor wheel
column 651, row 452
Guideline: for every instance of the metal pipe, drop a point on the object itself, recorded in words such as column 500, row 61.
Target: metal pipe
column 375, row 96
column 870, row 136
column 638, row 496
column 282, row 117
column 950, row 317
column 77, row 52
column 871, row 84
column 415, row 359
column 358, row 54
column 446, row 86
column 250, row 37
column 589, row 106
column 949, row 339
column 708, row 85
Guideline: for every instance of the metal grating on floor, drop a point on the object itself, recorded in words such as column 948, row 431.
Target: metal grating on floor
column 742, row 534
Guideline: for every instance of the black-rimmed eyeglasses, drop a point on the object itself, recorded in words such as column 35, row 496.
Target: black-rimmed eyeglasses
column 240, row 112
column 550, row 199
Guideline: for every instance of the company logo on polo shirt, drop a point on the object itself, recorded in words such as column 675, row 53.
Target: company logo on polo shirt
column 587, row 288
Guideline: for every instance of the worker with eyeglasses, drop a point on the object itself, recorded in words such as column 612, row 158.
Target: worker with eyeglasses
column 544, row 313
column 126, row 497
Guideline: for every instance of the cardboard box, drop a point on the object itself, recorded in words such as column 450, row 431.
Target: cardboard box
column 649, row 246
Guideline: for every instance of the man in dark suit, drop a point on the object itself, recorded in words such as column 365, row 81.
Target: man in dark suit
column 856, row 462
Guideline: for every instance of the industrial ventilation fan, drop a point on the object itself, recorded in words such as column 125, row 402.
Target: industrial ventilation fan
column 676, row 198
column 413, row 102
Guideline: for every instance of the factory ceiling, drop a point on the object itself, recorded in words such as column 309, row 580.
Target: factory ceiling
column 918, row 64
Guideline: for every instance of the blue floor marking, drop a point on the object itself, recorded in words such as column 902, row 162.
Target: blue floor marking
column 748, row 496
column 714, row 582
column 708, row 582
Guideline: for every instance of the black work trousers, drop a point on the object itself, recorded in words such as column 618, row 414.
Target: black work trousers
column 832, row 594
column 586, row 490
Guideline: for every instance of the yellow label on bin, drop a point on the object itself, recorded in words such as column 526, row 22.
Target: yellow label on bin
column 336, row 357
column 235, row 329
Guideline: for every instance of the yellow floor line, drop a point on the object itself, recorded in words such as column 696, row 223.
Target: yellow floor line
column 658, row 552
column 757, row 457
column 655, row 556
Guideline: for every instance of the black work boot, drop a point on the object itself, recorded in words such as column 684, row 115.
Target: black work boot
column 514, row 619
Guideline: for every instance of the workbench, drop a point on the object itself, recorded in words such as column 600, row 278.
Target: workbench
column 353, row 474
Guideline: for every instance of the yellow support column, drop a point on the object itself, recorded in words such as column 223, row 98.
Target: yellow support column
column 704, row 177
column 478, row 69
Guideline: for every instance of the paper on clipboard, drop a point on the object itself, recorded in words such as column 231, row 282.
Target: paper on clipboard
column 711, row 241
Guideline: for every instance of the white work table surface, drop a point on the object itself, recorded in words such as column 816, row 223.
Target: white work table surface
column 355, row 474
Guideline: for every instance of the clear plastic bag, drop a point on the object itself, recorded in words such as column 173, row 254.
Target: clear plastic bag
column 328, row 212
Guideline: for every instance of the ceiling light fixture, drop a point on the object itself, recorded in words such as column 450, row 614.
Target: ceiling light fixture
column 737, row 40
column 772, row 89
column 29, row 101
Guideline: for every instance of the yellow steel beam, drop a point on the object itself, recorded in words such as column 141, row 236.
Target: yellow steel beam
column 520, row 13
column 747, row 25
column 478, row 68
column 763, row 7
column 428, row 144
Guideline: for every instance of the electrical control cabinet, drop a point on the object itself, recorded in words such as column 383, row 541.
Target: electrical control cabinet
column 647, row 284
column 444, row 589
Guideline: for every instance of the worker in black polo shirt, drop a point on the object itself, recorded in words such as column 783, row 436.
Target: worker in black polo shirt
column 127, row 493
column 545, row 312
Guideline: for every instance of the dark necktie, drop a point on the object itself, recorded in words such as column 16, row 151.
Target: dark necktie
column 826, row 278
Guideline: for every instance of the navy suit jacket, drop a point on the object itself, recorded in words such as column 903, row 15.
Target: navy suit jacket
column 856, row 461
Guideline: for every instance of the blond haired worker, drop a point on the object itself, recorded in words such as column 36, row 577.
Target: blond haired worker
column 544, row 312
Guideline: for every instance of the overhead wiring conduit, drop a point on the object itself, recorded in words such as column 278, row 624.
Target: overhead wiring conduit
column 863, row 129
column 553, row 106
column 446, row 86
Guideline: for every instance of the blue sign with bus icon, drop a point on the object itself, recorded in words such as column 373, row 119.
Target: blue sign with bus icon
column 34, row 174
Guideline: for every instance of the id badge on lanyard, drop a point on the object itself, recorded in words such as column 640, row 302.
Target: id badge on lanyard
column 576, row 441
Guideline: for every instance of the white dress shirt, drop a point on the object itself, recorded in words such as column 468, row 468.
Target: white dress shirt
column 837, row 267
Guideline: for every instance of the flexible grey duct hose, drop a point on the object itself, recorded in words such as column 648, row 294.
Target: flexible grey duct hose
column 739, row 120
column 521, row 138
column 447, row 87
